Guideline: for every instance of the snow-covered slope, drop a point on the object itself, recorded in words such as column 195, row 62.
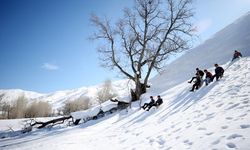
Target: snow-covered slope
column 8, row 95
column 216, row 116
column 218, row 49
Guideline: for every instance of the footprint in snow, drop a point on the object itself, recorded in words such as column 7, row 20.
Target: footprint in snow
column 231, row 145
column 151, row 140
column 211, row 114
column 177, row 130
column 216, row 142
column 229, row 118
column 219, row 105
column 209, row 133
column 188, row 126
column 161, row 141
column 245, row 95
column 205, row 108
column 244, row 126
column 202, row 128
column 197, row 111
column 245, row 101
column 243, row 115
column 242, row 107
column 234, row 136
column 224, row 127
column 188, row 142
column 233, row 106
column 122, row 141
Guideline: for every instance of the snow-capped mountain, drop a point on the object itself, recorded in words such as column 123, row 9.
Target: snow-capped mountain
column 58, row 98
column 12, row 94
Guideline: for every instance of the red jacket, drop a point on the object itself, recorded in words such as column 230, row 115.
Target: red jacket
column 209, row 75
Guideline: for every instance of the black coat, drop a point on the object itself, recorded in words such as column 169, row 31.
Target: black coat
column 152, row 101
column 159, row 101
column 219, row 70
column 201, row 73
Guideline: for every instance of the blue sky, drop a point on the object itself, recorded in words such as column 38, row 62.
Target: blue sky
column 44, row 45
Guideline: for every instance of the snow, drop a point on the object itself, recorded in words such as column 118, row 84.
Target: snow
column 106, row 106
column 215, row 117
column 86, row 113
column 218, row 49
column 13, row 94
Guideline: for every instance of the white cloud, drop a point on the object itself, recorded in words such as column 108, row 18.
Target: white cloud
column 203, row 25
column 49, row 66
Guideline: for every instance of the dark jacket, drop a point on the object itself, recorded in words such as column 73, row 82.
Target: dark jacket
column 159, row 101
column 201, row 73
column 219, row 70
column 237, row 55
column 152, row 101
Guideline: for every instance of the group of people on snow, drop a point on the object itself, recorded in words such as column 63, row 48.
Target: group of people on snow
column 152, row 103
column 219, row 71
column 209, row 77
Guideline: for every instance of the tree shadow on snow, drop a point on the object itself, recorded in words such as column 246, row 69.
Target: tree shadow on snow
column 186, row 99
column 139, row 118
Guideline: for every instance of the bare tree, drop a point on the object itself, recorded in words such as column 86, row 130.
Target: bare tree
column 144, row 38
column 38, row 109
column 81, row 103
column 1, row 106
column 18, row 107
column 105, row 92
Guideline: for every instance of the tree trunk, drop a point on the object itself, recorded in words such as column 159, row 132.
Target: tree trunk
column 140, row 89
column 54, row 121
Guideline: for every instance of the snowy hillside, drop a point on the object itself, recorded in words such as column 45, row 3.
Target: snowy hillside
column 58, row 98
column 218, row 49
column 8, row 95
column 216, row 116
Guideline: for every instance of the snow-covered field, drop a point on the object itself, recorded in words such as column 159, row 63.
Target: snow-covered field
column 216, row 116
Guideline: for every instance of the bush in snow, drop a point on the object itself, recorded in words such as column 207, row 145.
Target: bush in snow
column 16, row 109
column 106, row 92
column 81, row 103
column 38, row 109
column 20, row 108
